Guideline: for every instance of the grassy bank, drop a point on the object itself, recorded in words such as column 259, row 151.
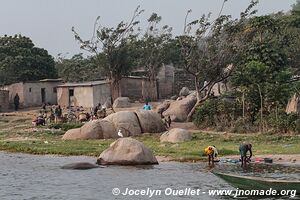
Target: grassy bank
column 18, row 135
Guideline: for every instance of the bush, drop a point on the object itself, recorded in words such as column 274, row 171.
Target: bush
column 218, row 112
column 65, row 126
column 283, row 122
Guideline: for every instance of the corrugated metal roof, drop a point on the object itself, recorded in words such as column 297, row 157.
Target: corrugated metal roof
column 84, row 84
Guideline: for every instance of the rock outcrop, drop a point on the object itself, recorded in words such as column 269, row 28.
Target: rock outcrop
column 150, row 121
column 184, row 91
column 121, row 102
column 127, row 151
column 130, row 123
column 176, row 135
column 179, row 110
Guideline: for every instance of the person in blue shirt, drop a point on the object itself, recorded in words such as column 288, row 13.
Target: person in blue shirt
column 147, row 106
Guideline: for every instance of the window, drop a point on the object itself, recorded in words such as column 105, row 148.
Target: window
column 54, row 90
column 29, row 89
column 71, row 92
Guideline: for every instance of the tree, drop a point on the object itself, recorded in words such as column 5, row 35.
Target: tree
column 112, row 47
column 78, row 68
column 20, row 60
column 153, row 46
column 208, row 53
column 263, row 74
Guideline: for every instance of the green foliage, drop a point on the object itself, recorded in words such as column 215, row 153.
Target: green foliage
column 65, row 126
column 78, row 68
column 218, row 112
column 283, row 122
column 20, row 60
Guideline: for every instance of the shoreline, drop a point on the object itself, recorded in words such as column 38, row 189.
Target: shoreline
column 277, row 158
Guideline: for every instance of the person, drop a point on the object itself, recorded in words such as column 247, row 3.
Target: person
column 17, row 101
column 212, row 153
column 57, row 113
column 244, row 148
column 147, row 106
column 40, row 120
column 96, row 109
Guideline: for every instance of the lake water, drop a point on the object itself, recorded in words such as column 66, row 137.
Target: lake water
column 33, row 177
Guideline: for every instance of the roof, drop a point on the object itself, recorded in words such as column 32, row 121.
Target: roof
column 51, row 80
column 84, row 84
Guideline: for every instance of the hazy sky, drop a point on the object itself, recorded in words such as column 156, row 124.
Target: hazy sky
column 48, row 23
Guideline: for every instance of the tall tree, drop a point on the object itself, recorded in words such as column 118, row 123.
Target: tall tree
column 207, row 53
column 153, row 47
column 112, row 46
column 20, row 60
column 78, row 68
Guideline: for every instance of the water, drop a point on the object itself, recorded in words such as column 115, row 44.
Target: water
column 34, row 177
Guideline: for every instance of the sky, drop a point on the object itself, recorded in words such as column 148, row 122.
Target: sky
column 48, row 22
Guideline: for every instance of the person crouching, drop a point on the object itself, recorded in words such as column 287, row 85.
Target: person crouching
column 212, row 153
column 244, row 149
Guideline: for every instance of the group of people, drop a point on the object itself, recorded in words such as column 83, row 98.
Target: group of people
column 55, row 115
column 212, row 153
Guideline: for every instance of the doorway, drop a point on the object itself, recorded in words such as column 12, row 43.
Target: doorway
column 43, row 95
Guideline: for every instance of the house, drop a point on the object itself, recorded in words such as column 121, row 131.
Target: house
column 34, row 93
column 86, row 94
column 138, row 88
column 4, row 100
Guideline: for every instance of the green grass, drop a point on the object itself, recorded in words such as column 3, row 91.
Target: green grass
column 227, row 144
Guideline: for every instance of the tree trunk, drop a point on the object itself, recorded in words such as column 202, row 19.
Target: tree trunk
column 153, row 90
column 261, row 109
column 115, row 89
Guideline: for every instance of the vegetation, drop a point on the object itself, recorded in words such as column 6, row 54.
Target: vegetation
column 20, row 60
column 18, row 135
column 78, row 68
column 113, row 49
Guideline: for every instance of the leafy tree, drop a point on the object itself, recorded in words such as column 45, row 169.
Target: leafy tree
column 20, row 60
column 78, row 68
column 208, row 53
column 263, row 74
column 153, row 49
column 112, row 46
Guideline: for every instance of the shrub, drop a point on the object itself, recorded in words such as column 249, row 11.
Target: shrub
column 218, row 112
column 65, row 126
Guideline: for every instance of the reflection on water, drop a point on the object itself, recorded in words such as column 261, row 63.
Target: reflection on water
column 282, row 172
column 32, row 177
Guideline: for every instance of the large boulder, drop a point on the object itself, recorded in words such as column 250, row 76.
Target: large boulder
column 126, row 121
column 150, row 121
column 90, row 130
column 176, row 135
column 127, row 151
column 108, row 129
column 184, row 91
column 163, row 107
column 122, row 102
column 179, row 110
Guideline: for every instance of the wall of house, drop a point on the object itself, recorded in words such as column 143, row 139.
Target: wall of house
column 13, row 90
column 33, row 94
column 137, row 88
column 83, row 96
column 182, row 79
column 101, row 93
column 4, row 100
column 63, row 96
column 165, row 81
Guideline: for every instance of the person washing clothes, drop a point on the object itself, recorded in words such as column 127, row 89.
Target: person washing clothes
column 244, row 149
column 212, row 153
